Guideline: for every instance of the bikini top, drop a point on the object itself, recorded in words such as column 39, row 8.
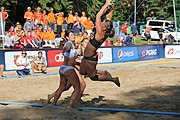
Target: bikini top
column 72, row 52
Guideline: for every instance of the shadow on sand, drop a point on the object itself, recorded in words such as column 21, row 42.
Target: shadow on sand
column 151, row 98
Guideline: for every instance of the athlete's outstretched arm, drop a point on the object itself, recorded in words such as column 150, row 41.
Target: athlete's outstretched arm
column 110, row 15
column 99, row 14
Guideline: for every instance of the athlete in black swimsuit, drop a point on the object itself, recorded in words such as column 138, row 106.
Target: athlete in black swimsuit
column 103, row 30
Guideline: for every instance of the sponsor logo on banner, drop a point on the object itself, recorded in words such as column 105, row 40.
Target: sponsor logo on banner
column 172, row 51
column 124, row 54
column 59, row 57
column 100, row 55
column 104, row 55
column 11, row 57
column 149, row 52
column 55, row 58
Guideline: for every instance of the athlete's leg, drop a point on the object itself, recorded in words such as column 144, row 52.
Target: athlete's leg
column 72, row 77
column 82, row 86
column 61, row 88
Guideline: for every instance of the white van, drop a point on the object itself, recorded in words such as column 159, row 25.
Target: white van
column 158, row 23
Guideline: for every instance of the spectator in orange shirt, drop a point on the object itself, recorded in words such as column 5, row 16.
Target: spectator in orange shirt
column 4, row 17
column 79, row 38
column 51, row 40
column 118, row 42
column 83, row 19
column 45, row 19
column 51, row 18
column 63, row 33
column 28, row 14
column 37, row 14
column 108, row 43
column 45, row 35
column 76, row 17
column 88, row 24
column 60, row 19
column 70, row 20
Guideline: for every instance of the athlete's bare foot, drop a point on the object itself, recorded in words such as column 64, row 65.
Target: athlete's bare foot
column 68, row 107
column 116, row 81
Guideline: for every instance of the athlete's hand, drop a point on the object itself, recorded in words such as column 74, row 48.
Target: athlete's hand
column 108, row 2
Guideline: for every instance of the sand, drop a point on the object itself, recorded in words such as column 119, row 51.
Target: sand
column 146, row 85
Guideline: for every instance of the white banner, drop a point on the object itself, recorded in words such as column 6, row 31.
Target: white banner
column 104, row 55
column 172, row 51
column 11, row 57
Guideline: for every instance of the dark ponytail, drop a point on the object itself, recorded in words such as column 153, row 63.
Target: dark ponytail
column 110, row 31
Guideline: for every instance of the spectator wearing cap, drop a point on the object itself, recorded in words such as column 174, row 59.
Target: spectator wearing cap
column 28, row 26
column 60, row 19
column 18, row 26
column 28, row 14
column 22, row 63
column 39, row 63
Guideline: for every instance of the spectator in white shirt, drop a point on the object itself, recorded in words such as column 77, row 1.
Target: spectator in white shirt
column 22, row 62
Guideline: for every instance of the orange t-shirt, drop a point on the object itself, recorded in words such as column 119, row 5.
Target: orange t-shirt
column 51, row 17
column 45, row 35
column 79, row 39
column 37, row 15
column 28, row 15
column 62, row 34
column 83, row 19
column 51, row 35
column 70, row 19
column 88, row 25
column 4, row 14
column 60, row 20
column 76, row 18
column 44, row 19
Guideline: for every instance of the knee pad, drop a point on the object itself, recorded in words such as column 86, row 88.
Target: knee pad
column 94, row 78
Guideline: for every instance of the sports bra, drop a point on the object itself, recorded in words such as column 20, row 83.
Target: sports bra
column 39, row 61
column 72, row 52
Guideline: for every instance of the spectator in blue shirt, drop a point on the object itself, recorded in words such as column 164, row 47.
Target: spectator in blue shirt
column 28, row 24
column 128, row 40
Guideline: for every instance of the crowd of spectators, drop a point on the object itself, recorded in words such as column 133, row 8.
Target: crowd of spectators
column 39, row 29
column 47, row 30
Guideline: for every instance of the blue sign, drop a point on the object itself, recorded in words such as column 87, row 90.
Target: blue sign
column 116, row 27
column 123, row 54
column 149, row 52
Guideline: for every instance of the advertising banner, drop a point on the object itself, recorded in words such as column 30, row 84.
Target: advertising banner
column 11, row 57
column 122, row 54
column 172, row 51
column 148, row 52
column 104, row 55
column 55, row 58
